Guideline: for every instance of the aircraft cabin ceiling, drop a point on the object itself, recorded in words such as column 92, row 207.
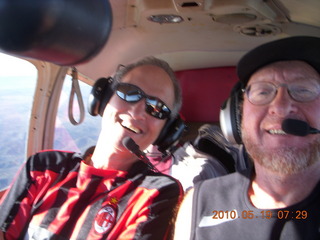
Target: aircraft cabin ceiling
column 198, row 34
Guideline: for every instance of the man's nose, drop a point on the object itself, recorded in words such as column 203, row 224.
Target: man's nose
column 282, row 104
column 137, row 110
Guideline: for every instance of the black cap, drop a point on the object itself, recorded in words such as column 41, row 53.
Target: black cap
column 302, row 48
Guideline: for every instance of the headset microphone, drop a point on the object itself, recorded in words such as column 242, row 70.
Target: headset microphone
column 130, row 144
column 298, row 127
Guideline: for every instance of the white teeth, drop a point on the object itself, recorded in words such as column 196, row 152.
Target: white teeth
column 130, row 127
column 277, row 131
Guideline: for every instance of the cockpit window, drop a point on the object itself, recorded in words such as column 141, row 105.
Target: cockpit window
column 17, row 84
column 71, row 137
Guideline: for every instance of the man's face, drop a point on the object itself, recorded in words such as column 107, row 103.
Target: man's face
column 123, row 119
column 261, row 124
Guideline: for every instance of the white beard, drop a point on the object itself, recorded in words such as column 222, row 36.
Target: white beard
column 286, row 160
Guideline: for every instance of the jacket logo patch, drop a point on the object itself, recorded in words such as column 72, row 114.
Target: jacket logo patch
column 105, row 219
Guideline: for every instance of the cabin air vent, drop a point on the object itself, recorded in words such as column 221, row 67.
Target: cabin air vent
column 189, row 4
column 258, row 30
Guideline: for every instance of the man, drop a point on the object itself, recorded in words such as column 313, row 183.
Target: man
column 279, row 198
column 114, row 195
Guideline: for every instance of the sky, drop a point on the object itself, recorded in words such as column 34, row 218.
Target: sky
column 13, row 66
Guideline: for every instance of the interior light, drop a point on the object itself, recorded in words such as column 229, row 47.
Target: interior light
column 165, row 18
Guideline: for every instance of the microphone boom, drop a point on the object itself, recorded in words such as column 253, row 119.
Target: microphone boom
column 298, row 127
column 130, row 144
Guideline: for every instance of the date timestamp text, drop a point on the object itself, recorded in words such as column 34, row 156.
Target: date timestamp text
column 265, row 214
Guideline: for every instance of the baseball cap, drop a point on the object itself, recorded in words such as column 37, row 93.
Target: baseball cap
column 304, row 48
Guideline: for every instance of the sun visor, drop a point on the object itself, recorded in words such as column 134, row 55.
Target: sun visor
column 64, row 32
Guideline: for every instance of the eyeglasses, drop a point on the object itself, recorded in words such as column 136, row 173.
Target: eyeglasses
column 261, row 93
column 132, row 94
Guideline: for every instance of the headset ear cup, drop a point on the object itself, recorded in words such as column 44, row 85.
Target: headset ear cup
column 171, row 133
column 230, row 117
column 100, row 95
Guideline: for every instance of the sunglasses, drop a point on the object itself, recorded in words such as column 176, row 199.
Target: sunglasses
column 132, row 94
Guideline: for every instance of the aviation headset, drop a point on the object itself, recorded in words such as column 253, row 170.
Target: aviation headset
column 230, row 115
column 101, row 93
